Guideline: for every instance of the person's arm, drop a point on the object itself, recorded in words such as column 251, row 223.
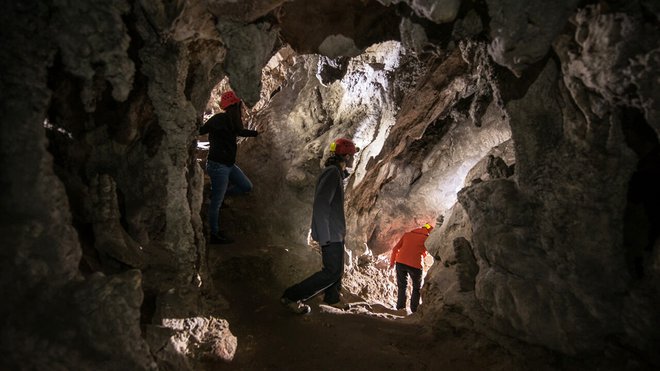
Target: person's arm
column 247, row 133
column 204, row 129
column 240, row 130
column 395, row 250
column 325, row 193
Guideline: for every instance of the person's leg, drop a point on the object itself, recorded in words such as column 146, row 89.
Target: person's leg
column 416, row 277
column 239, row 182
column 402, row 285
column 219, row 175
column 332, row 294
column 332, row 271
column 334, row 262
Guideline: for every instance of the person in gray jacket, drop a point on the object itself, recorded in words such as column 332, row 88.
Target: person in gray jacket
column 328, row 229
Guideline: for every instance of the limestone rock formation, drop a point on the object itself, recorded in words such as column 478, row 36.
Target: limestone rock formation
column 182, row 344
column 530, row 128
column 522, row 31
column 436, row 11
column 336, row 28
column 561, row 263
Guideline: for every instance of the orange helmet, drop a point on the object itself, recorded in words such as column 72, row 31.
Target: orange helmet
column 343, row 146
column 228, row 99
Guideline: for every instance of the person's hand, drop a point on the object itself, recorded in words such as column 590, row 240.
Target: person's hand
column 315, row 246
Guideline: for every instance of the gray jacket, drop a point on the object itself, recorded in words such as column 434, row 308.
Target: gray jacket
column 328, row 222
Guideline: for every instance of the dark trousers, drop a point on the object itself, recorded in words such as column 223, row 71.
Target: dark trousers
column 225, row 181
column 328, row 279
column 402, row 273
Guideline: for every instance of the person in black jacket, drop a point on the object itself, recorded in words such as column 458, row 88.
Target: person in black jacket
column 226, row 178
column 328, row 229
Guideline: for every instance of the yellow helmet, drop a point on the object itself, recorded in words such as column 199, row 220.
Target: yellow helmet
column 428, row 226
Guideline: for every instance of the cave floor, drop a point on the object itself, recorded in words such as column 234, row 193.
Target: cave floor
column 364, row 337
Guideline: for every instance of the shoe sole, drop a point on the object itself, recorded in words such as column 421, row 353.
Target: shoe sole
column 286, row 303
column 307, row 310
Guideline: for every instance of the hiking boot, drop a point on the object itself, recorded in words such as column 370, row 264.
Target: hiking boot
column 220, row 238
column 295, row 306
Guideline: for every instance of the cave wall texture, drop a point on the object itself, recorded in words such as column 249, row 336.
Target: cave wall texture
column 530, row 127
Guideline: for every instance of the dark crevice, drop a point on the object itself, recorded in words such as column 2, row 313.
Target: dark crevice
column 332, row 69
column 642, row 215
column 464, row 104
column 423, row 146
column 148, row 308
column 66, row 120
column 190, row 79
column 648, row 15
column 513, row 88
column 417, row 174
column 481, row 8
column 66, row 110
column 437, row 34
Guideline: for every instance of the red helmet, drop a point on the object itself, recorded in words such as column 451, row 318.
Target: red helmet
column 343, row 146
column 228, row 99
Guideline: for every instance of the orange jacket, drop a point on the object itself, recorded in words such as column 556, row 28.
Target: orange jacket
column 410, row 249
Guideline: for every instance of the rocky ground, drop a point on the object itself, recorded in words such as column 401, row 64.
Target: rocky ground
column 363, row 337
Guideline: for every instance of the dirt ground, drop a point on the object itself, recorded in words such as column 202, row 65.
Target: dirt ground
column 363, row 337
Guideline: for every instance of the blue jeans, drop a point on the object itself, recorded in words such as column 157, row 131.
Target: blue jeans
column 402, row 273
column 328, row 279
column 225, row 181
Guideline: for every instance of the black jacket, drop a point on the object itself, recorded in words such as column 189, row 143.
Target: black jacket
column 222, row 137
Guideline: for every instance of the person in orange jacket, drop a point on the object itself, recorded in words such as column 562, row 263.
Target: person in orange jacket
column 408, row 256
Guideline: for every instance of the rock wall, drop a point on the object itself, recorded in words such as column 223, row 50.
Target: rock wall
column 552, row 245
column 102, row 100
column 54, row 318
